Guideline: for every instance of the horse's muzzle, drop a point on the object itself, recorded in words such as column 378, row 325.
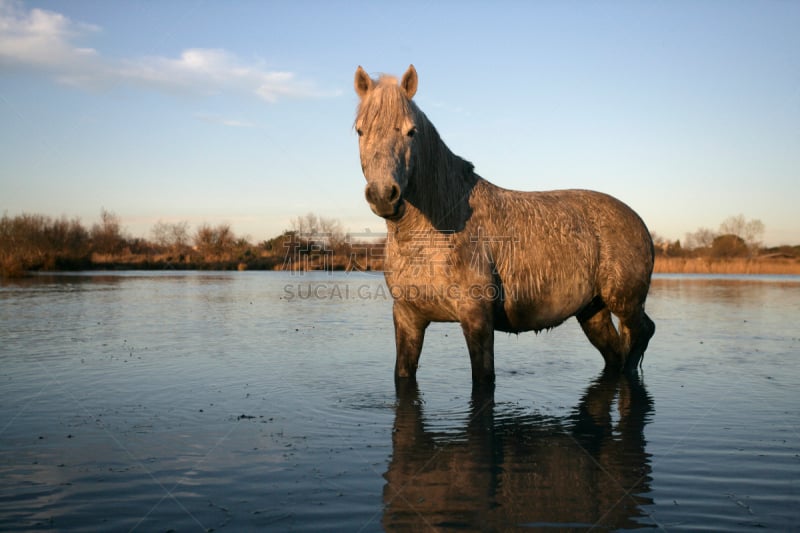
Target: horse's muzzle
column 385, row 201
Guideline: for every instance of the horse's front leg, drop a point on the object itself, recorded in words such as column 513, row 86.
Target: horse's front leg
column 409, row 333
column 477, row 323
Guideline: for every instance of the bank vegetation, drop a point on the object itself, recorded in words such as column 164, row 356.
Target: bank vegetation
column 31, row 242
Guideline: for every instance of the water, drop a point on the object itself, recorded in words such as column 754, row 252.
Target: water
column 265, row 401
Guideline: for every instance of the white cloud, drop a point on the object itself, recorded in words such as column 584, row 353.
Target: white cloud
column 40, row 38
column 211, row 71
column 47, row 41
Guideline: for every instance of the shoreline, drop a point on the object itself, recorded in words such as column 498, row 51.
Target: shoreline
column 663, row 265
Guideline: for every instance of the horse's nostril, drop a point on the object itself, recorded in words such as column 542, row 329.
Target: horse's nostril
column 394, row 193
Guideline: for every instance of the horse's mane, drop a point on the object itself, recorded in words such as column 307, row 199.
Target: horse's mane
column 442, row 181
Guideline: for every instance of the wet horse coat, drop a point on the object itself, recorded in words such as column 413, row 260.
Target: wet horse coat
column 460, row 249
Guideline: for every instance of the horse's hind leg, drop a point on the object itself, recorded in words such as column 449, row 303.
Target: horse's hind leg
column 635, row 332
column 478, row 328
column 600, row 330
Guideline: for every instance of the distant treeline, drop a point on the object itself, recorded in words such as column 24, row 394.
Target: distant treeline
column 735, row 248
column 42, row 243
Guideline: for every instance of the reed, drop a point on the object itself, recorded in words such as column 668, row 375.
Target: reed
column 736, row 265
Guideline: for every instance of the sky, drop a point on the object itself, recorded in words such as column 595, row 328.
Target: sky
column 242, row 112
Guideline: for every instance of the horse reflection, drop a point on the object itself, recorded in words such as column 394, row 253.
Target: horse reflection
column 508, row 470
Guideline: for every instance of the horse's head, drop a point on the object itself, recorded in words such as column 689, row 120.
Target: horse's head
column 386, row 126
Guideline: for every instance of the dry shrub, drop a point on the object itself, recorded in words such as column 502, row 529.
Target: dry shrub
column 739, row 265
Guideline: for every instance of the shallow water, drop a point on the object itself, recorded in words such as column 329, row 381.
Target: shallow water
column 191, row 401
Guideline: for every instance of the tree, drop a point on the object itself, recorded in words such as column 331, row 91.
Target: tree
column 37, row 241
column 322, row 230
column 750, row 231
column 172, row 236
column 278, row 244
column 23, row 243
column 215, row 241
column 107, row 236
column 729, row 245
column 68, row 236
column 662, row 246
column 659, row 243
column 702, row 238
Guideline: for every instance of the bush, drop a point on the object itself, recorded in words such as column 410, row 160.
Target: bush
column 729, row 246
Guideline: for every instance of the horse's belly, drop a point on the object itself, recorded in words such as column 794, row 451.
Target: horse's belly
column 528, row 322
column 537, row 314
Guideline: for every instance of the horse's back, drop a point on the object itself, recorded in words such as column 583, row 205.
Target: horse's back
column 583, row 218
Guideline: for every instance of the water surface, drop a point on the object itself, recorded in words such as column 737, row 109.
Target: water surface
column 196, row 401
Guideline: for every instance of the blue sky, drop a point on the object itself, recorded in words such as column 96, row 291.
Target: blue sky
column 242, row 112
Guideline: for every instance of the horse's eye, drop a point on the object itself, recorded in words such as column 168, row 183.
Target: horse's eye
column 360, row 132
column 412, row 131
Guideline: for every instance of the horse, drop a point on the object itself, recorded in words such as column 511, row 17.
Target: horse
column 461, row 249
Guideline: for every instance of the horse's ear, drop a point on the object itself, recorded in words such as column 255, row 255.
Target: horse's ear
column 363, row 82
column 409, row 83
